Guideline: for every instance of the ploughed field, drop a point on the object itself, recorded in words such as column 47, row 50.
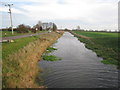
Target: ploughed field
column 105, row 44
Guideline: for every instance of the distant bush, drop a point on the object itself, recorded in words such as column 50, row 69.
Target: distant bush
column 33, row 30
column 66, row 29
column 23, row 28
column 9, row 29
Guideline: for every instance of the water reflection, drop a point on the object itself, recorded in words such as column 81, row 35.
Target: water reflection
column 79, row 67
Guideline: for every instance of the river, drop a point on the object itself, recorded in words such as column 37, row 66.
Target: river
column 79, row 67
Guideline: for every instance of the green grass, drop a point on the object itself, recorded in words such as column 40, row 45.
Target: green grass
column 104, row 44
column 109, row 62
column 9, row 48
column 47, row 57
column 50, row 58
column 50, row 49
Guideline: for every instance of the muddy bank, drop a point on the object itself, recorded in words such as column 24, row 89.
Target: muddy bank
column 21, row 67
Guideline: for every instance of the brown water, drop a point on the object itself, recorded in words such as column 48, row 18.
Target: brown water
column 79, row 67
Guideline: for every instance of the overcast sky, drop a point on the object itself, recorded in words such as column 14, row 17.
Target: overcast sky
column 88, row 14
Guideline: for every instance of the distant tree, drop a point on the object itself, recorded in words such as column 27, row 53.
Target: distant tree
column 38, row 26
column 50, row 24
column 39, row 23
column 23, row 28
column 33, row 30
column 54, row 27
column 66, row 29
column 9, row 29
column 78, row 27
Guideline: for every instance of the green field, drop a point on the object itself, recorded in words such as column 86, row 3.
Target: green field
column 104, row 44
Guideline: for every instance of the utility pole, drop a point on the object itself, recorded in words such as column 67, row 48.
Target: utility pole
column 9, row 5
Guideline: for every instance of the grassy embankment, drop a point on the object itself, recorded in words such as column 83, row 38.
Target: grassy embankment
column 103, row 43
column 20, row 60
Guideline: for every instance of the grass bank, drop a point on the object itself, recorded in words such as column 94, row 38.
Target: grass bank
column 20, row 60
column 9, row 48
column 103, row 43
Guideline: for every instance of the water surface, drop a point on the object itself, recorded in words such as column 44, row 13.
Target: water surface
column 79, row 67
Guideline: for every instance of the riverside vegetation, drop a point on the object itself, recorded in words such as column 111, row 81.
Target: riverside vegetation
column 105, row 44
column 51, row 58
column 20, row 60
column 48, row 57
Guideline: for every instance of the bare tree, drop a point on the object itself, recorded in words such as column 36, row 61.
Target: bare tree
column 23, row 28
column 54, row 27
column 38, row 26
column 39, row 23
column 78, row 27
column 51, row 25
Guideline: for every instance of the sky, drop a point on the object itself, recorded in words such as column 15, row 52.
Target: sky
column 88, row 14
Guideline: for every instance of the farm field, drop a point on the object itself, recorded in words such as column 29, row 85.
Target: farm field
column 104, row 44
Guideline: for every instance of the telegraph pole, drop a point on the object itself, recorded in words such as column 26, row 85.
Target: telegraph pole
column 9, row 5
